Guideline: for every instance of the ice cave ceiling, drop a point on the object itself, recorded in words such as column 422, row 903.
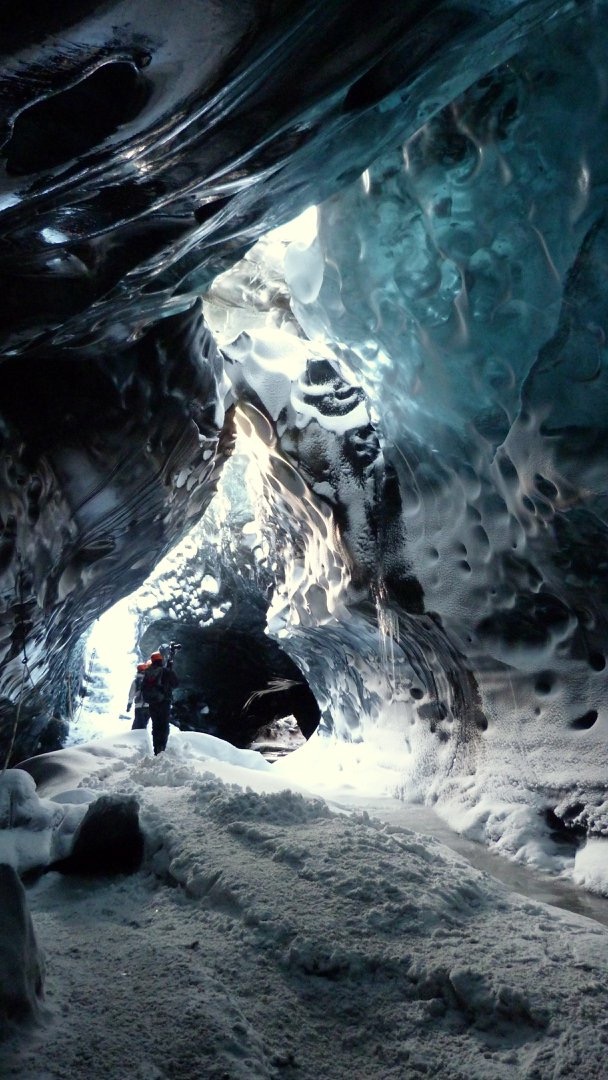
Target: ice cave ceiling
column 422, row 388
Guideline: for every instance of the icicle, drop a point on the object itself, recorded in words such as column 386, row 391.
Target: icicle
column 388, row 630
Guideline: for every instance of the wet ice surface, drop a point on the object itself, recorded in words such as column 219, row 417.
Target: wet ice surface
column 525, row 880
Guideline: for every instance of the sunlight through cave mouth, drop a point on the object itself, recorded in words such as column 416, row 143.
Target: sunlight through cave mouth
column 231, row 577
column 235, row 682
column 212, row 593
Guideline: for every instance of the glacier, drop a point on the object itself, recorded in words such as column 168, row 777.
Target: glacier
column 414, row 393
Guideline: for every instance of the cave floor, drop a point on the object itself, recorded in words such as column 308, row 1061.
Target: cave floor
column 269, row 934
column 522, row 879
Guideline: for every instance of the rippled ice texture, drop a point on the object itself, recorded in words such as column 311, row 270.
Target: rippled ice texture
column 460, row 282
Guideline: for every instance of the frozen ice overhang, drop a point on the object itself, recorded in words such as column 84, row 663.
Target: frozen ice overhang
column 434, row 468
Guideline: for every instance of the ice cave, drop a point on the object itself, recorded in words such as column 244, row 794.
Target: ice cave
column 305, row 365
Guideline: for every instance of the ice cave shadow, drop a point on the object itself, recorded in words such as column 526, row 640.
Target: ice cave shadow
column 72, row 121
column 233, row 683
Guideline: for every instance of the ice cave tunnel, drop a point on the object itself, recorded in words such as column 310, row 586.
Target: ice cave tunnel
column 415, row 514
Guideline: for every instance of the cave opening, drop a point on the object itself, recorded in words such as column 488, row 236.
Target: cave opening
column 236, row 684
column 212, row 594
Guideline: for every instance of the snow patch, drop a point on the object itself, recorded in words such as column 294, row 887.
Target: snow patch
column 591, row 866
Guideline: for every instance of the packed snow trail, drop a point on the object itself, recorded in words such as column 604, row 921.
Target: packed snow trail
column 269, row 936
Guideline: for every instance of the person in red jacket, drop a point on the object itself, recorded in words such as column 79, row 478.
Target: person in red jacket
column 158, row 684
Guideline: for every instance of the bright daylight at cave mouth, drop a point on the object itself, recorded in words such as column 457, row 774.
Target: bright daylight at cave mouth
column 304, row 626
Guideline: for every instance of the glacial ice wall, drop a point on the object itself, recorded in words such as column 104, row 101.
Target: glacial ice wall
column 468, row 299
column 458, row 281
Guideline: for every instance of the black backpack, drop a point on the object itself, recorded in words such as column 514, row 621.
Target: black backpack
column 152, row 686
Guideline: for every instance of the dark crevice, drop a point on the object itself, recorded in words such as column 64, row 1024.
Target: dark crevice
column 66, row 125
column 583, row 723
column 563, row 829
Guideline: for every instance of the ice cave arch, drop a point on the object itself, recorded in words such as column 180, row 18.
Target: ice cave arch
column 422, row 384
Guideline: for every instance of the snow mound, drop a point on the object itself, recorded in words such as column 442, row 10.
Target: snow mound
column 591, row 866
column 230, row 804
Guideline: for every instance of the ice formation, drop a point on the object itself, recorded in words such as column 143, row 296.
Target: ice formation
column 418, row 388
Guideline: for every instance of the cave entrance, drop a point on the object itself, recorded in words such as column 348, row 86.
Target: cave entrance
column 236, row 684
column 213, row 591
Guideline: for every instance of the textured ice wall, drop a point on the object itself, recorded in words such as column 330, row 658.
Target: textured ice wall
column 327, row 515
column 458, row 282
column 94, row 489
column 460, row 279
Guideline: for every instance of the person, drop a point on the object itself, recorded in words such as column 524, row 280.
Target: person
column 142, row 712
column 157, row 690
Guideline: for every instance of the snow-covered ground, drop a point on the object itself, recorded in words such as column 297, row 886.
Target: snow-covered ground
column 270, row 934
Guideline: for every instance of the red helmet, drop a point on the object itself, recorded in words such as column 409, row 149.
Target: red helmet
column 155, row 656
